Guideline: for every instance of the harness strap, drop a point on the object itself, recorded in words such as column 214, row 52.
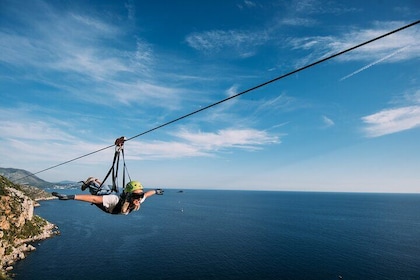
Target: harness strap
column 119, row 148
column 116, row 210
column 125, row 169
column 112, row 170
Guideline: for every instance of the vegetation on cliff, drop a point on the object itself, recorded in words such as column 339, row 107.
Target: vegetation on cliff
column 18, row 224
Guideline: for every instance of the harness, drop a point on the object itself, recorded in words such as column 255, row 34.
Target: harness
column 116, row 210
column 119, row 149
column 124, row 204
column 125, row 199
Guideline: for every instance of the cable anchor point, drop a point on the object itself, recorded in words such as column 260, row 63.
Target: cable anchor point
column 119, row 143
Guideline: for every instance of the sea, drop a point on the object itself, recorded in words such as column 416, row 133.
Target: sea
column 221, row 234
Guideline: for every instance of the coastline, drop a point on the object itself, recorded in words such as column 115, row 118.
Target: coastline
column 17, row 249
column 24, row 246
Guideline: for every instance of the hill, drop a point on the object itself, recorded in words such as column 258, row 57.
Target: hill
column 23, row 177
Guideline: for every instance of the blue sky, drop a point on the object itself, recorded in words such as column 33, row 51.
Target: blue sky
column 75, row 75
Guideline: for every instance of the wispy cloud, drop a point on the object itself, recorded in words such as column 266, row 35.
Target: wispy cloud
column 131, row 9
column 317, row 7
column 391, row 121
column 163, row 150
column 303, row 12
column 235, row 42
column 50, row 137
column 373, row 63
column 383, row 47
column 88, row 51
column 247, row 4
column 323, row 46
column 40, row 143
column 327, row 121
column 142, row 92
column 34, row 131
column 249, row 139
column 296, row 21
column 280, row 103
column 202, row 144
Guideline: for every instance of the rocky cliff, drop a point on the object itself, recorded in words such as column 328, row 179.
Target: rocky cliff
column 18, row 225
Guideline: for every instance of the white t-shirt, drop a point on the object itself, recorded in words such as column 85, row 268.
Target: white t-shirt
column 111, row 200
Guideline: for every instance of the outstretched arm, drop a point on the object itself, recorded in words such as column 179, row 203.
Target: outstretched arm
column 81, row 197
column 96, row 199
column 153, row 192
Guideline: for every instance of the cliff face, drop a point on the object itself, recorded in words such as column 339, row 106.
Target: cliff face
column 17, row 209
column 18, row 225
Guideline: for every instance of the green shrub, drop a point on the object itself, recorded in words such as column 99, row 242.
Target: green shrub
column 32, row 228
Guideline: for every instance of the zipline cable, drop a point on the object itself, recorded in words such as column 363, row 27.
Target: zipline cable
column 276, row 79
column 236, row 95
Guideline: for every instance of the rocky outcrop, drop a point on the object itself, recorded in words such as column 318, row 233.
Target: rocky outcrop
column 17, row 209
column 18, row 225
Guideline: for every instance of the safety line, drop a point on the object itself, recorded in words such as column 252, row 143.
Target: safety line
column 276, row 79
column 236, row 95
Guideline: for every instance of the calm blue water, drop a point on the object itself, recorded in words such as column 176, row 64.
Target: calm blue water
column 233, row 235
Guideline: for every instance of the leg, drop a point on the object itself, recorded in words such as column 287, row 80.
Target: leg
column 95, row 188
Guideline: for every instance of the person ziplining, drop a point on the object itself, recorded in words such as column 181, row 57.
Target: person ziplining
column 109, row 199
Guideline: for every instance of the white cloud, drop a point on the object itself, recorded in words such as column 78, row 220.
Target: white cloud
column 45, row 141
column 249, row 139
column 373, row 63
column 280, row 103
column 233, row 90
column 296, row 21
column 392, row 121
column 382, row 47
column 408, row 98
column 143, row 57
column 323, row 46
column 85, row 23
column 317, row 7
column 237, row 42
column 32, row 130
column 201, row 144
column 163, row 150
column 414, row 98
column 327, row 121
column 142, row 92
column 87, row 62
column 247, row 4
column 30, row 140
column 55, row 38
column 89, row 52
column 131, row 10
column 25, row 123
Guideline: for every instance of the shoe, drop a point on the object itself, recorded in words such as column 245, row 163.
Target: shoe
column 84, row 185
column 90, row 179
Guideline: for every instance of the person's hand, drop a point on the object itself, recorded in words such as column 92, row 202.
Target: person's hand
column 62, row 196
column 159, row 191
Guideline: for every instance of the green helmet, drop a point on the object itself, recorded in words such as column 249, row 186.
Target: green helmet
column 133, row 186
